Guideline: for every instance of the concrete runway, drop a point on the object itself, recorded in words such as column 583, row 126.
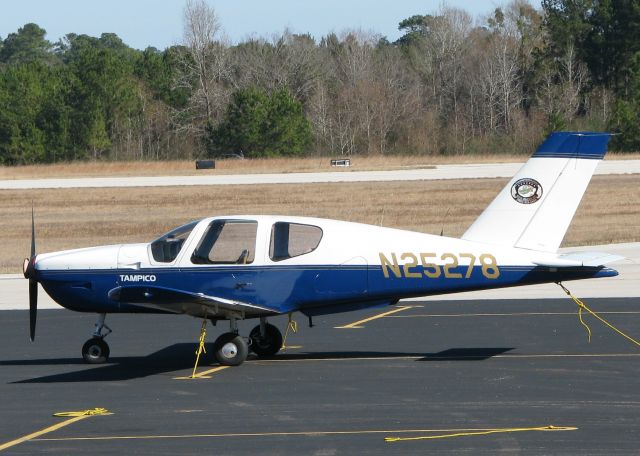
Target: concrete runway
column 435, row 369
column 466, row 171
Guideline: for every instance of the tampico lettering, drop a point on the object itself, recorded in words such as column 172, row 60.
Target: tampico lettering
column 137, row 278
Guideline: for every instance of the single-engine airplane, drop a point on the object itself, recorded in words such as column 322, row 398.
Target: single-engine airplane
column 258, row 266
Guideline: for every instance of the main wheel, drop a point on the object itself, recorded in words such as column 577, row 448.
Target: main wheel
column 230, row 349
column 268, row 345
column 95, row 351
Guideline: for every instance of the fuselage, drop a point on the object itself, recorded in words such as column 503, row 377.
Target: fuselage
column 288, row 264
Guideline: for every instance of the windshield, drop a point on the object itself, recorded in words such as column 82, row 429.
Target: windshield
column 166, row 248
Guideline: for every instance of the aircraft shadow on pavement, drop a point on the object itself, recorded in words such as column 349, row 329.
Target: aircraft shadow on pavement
column 451, row 354
column 170, row 359
column 179, row 357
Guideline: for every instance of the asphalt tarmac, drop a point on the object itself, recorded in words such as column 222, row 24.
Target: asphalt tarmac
column 434, row 369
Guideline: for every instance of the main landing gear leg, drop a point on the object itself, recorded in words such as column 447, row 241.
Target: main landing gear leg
column 96, row 350
column 230, row 349
column 266, row 339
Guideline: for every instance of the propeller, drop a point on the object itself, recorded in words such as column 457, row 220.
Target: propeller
column 29, row 271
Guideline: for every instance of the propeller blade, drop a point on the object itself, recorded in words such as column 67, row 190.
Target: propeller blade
column 33, row 234
column 33, row 307
column 33, row 283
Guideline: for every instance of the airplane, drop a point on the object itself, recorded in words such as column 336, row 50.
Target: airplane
column 258, row 266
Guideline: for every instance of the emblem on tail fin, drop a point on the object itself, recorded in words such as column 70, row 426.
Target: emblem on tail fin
column 526, row 191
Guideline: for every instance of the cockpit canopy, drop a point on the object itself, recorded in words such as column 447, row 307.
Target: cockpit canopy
column 233, row 241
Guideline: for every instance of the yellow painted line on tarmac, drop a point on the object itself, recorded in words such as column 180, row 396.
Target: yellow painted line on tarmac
column 446, row 358
column 358, row 324
column 207, row 373
column 514, row 314
column 47, row 430
column 264, row 434
column 203, row 374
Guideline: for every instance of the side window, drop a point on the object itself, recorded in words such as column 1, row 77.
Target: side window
column 290, row 240
column 227, row 242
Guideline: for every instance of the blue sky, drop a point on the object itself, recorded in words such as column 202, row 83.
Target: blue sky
column 142, row 23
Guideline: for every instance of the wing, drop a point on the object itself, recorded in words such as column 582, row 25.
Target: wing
column 180, row 301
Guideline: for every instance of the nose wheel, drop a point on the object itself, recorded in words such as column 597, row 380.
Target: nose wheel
column 96, row 350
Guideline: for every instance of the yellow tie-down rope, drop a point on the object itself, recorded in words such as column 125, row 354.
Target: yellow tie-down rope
column 485, row 432
column 201, row 349
column 89, row 412
column 291, row 325
column 582, row 305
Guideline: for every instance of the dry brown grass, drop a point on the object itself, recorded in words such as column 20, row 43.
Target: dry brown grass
column 254, row 166
column 70, row 218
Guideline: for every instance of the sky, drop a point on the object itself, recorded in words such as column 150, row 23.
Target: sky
column 158, row 23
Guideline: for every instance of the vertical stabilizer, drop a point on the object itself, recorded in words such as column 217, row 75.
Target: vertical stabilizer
column 535, row 208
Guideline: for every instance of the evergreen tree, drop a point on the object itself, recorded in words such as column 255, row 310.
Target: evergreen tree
column 28, row 44
column 257, row 124
column 34, row 124
column 158, row 70
column 104, row 96
column 626, row 114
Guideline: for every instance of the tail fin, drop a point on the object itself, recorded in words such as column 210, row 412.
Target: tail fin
column 535, row 209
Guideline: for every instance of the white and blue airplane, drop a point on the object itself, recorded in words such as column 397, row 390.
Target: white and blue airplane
column 258, row 266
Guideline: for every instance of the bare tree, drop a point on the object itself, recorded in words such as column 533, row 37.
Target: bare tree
column 287, row 61
column 561, row 89
column 499, row 81
column 395, row 98
column 350, row 87
column 205, row 64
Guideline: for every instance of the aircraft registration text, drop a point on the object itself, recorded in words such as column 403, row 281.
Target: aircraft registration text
column 450, row 267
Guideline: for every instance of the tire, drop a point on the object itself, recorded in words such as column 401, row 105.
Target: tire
column 268, row 345
column 230, row 349
column 95, row 351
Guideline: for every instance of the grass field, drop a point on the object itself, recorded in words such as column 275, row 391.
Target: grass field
column 71, row 218
column 271, row 165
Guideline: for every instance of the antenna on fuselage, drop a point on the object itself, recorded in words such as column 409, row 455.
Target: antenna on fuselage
column 444, row 219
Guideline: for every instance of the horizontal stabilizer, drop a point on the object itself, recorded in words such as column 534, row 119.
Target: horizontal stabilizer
column 573, row 259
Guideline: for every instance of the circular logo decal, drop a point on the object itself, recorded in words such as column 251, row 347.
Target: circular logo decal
column 526, row 191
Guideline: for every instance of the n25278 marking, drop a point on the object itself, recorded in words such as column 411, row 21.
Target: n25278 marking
column 433, row 266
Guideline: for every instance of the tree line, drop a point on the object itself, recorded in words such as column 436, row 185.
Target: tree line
column 451, row 84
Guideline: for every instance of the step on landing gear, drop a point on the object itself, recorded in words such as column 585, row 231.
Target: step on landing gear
column 96, row 350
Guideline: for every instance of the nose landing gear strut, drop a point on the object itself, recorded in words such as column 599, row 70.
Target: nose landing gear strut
column 96, row 350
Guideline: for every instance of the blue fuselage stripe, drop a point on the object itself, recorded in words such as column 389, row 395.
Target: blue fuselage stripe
column 290, row 288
